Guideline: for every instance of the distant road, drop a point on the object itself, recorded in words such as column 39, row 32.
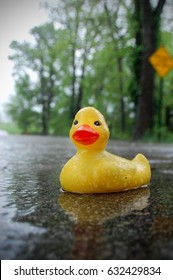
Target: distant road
column 3, row 132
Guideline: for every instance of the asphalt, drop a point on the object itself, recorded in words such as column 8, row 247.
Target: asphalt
column 39, row 221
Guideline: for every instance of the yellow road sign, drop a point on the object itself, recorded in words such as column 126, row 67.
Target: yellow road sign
column 161, row 61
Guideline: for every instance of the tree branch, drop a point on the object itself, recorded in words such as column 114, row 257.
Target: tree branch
column 159, row 7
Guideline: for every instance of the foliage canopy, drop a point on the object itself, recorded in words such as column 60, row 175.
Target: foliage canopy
column 90, row 53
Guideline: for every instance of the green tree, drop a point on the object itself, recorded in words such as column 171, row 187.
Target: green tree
column 40, row 59
column 22, row 106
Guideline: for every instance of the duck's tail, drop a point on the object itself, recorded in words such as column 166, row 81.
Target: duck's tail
column 143, row 170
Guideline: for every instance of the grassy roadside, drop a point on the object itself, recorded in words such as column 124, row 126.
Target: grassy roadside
column 11, row 128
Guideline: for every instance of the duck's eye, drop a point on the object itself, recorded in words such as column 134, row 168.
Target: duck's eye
column 75, row 122
column 97, row 123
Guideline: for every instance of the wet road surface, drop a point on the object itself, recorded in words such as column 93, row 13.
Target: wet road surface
column 39, row 221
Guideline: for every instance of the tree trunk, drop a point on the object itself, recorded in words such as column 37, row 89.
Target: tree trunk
column 137, row 55
column 72, row 103
column 81, row 85
column 74, row 31
column 150, row 23
column 121, row 91
column 44, row 122
column 43, row 103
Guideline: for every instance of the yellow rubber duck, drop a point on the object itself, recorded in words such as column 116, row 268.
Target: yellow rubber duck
column 94, row 170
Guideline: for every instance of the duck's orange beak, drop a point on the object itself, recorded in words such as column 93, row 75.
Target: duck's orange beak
column 85, row 135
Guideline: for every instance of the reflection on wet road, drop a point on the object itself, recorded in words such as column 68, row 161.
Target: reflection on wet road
column 88, row 208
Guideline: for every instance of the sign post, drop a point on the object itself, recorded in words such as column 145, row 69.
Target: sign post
column 162, row 62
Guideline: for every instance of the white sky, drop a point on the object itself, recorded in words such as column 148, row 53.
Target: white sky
column 17, row 17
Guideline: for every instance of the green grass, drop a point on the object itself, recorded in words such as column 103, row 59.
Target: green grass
column 11, row 128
